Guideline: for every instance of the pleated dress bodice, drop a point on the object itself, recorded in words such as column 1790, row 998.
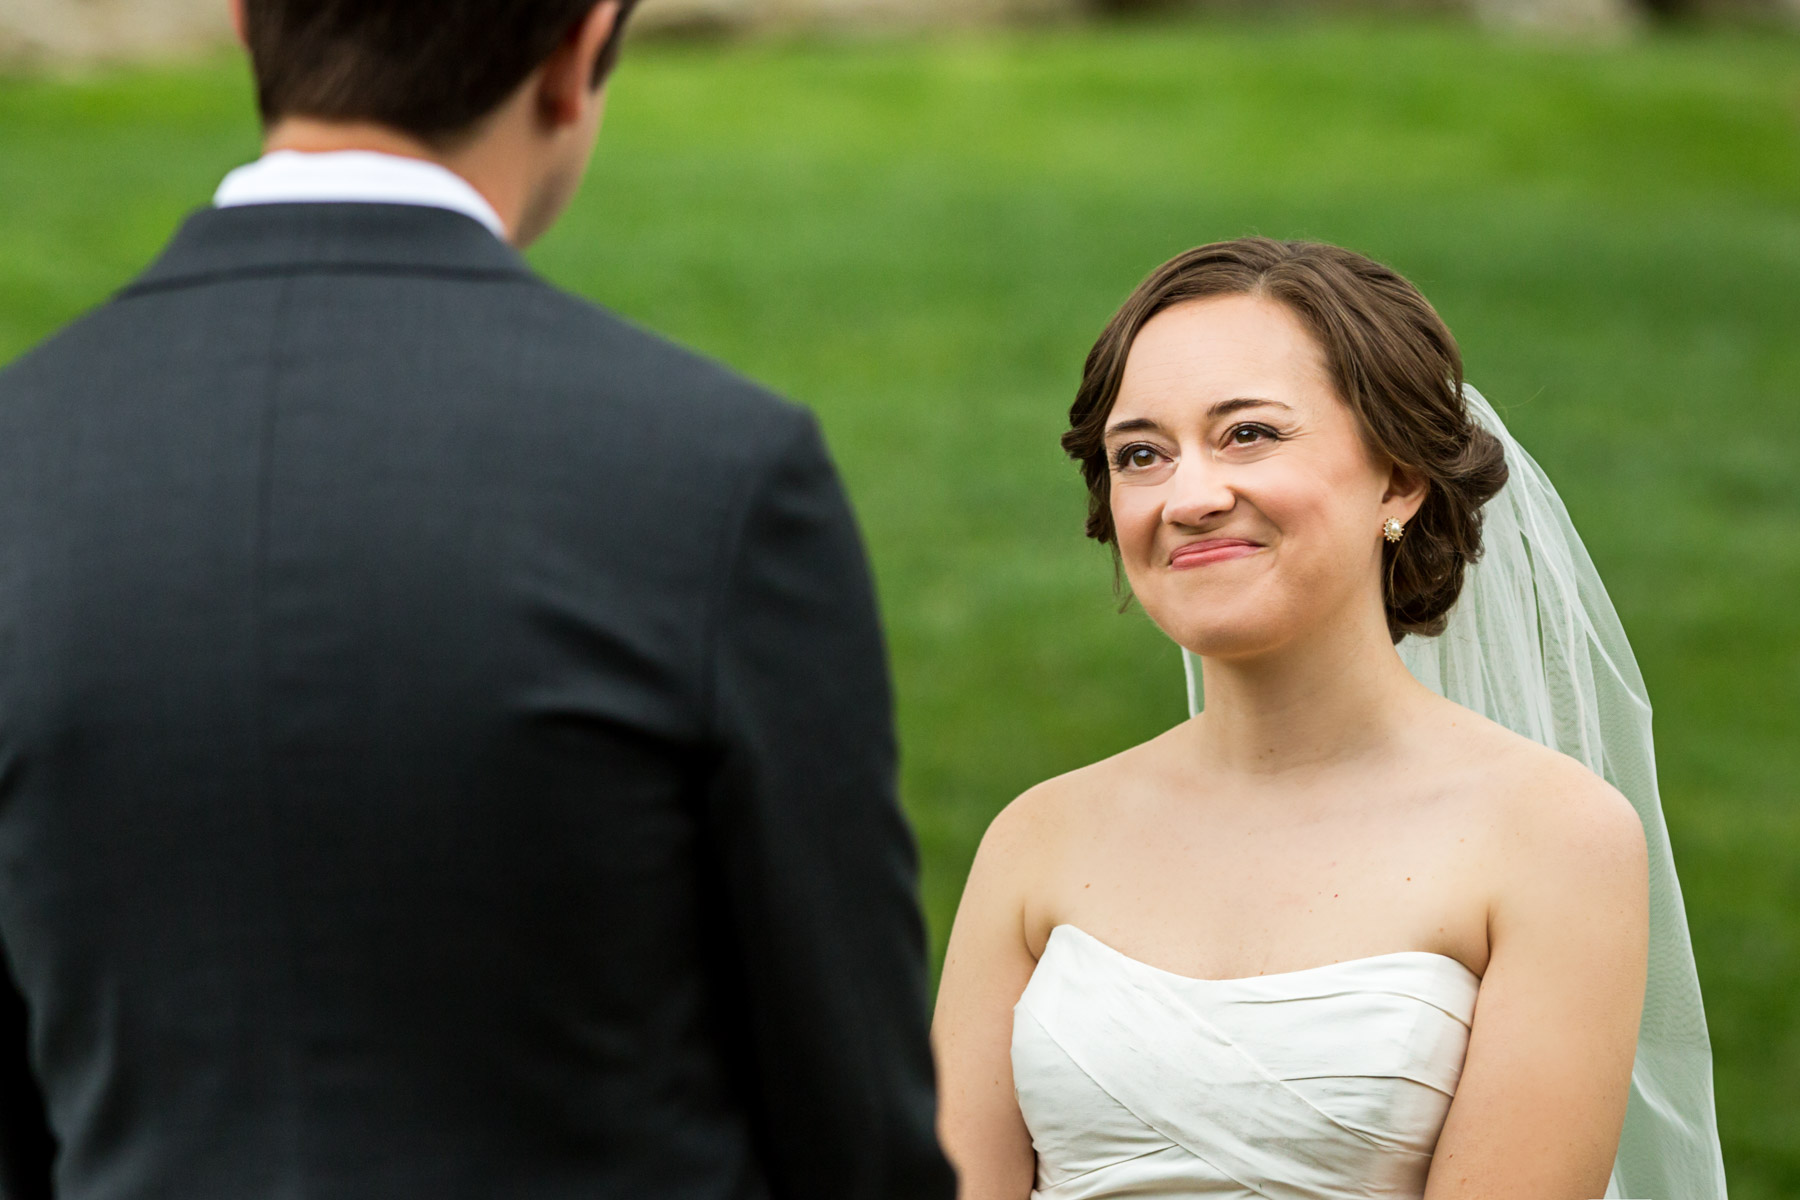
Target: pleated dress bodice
column 1329, row 1083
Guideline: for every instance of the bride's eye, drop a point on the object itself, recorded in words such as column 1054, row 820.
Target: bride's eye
column 1136, row 456
column 1250, row 435
column 1249, row 438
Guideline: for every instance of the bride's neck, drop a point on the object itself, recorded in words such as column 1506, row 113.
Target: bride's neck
column 1336, row 697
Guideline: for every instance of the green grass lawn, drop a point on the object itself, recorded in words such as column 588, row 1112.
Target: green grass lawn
column 921, row 240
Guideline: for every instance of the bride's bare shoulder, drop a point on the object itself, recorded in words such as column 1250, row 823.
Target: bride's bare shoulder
column 1066, row 811
column 1067, row 803
column 1546, row 811
column 1036, row 843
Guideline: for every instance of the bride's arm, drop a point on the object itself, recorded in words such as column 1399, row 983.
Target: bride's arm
column 986, row 969
column 1542, row 1097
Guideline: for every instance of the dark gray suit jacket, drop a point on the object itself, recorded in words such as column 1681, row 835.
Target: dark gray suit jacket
column 445, row 750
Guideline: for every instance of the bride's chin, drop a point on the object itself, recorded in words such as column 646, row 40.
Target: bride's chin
column 1227, row 626
column 1225, row 641
column 1227, row 650
column 1233, row 624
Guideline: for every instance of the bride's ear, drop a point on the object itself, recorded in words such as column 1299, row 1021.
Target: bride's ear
column 1406, row 491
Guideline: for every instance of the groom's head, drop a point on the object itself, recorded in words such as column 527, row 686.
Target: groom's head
column 442, row 73
column 427, row 68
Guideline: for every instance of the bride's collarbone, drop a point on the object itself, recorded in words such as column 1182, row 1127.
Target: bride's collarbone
column 1247, row 903
column 1232, row 880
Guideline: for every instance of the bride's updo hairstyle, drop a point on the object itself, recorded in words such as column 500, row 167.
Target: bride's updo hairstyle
column 1392, row 360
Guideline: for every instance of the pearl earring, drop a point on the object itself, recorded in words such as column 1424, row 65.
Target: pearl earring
column 1392, row 529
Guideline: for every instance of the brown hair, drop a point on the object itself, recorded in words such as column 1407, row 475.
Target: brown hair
column 424, row 67
column 1395, row 364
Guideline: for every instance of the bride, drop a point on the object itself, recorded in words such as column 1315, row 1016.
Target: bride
column 1374, row 922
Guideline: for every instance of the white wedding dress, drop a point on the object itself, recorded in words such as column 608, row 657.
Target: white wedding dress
column 1329, row 1083
column 1333, row 1083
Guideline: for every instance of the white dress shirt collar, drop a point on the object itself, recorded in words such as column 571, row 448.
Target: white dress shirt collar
column 354, row 177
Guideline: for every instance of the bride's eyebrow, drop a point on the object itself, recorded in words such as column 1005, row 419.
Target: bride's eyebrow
column 1224, row 407
column 1135, row 425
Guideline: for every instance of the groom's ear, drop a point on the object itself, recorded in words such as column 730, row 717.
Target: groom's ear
column 239, row 22
column 574, row 74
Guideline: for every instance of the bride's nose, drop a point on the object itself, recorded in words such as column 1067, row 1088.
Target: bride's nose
column 1198, row 489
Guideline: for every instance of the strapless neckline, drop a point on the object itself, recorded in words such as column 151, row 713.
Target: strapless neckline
column 1330, row 1082
column 1422, row 956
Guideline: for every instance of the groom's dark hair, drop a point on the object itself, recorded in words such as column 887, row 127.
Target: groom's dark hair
column 429, row 68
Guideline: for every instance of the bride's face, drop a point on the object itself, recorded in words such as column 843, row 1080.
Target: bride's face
column 1247, row 505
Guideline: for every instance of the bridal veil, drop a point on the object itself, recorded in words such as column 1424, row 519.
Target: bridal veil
column 1534, row 644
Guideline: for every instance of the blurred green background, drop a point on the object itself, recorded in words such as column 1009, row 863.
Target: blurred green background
column 920, row 239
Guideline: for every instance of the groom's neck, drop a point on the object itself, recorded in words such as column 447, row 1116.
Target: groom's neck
column 323, row 137
column 489, row 164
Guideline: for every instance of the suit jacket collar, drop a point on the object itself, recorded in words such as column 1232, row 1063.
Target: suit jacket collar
column 285, row 239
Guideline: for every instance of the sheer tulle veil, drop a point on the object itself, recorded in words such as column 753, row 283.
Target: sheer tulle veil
column 1534, row 644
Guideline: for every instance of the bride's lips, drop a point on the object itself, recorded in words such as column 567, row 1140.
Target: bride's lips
column 1212, row 550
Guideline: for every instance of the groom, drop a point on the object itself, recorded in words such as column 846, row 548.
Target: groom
column 445, row 746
